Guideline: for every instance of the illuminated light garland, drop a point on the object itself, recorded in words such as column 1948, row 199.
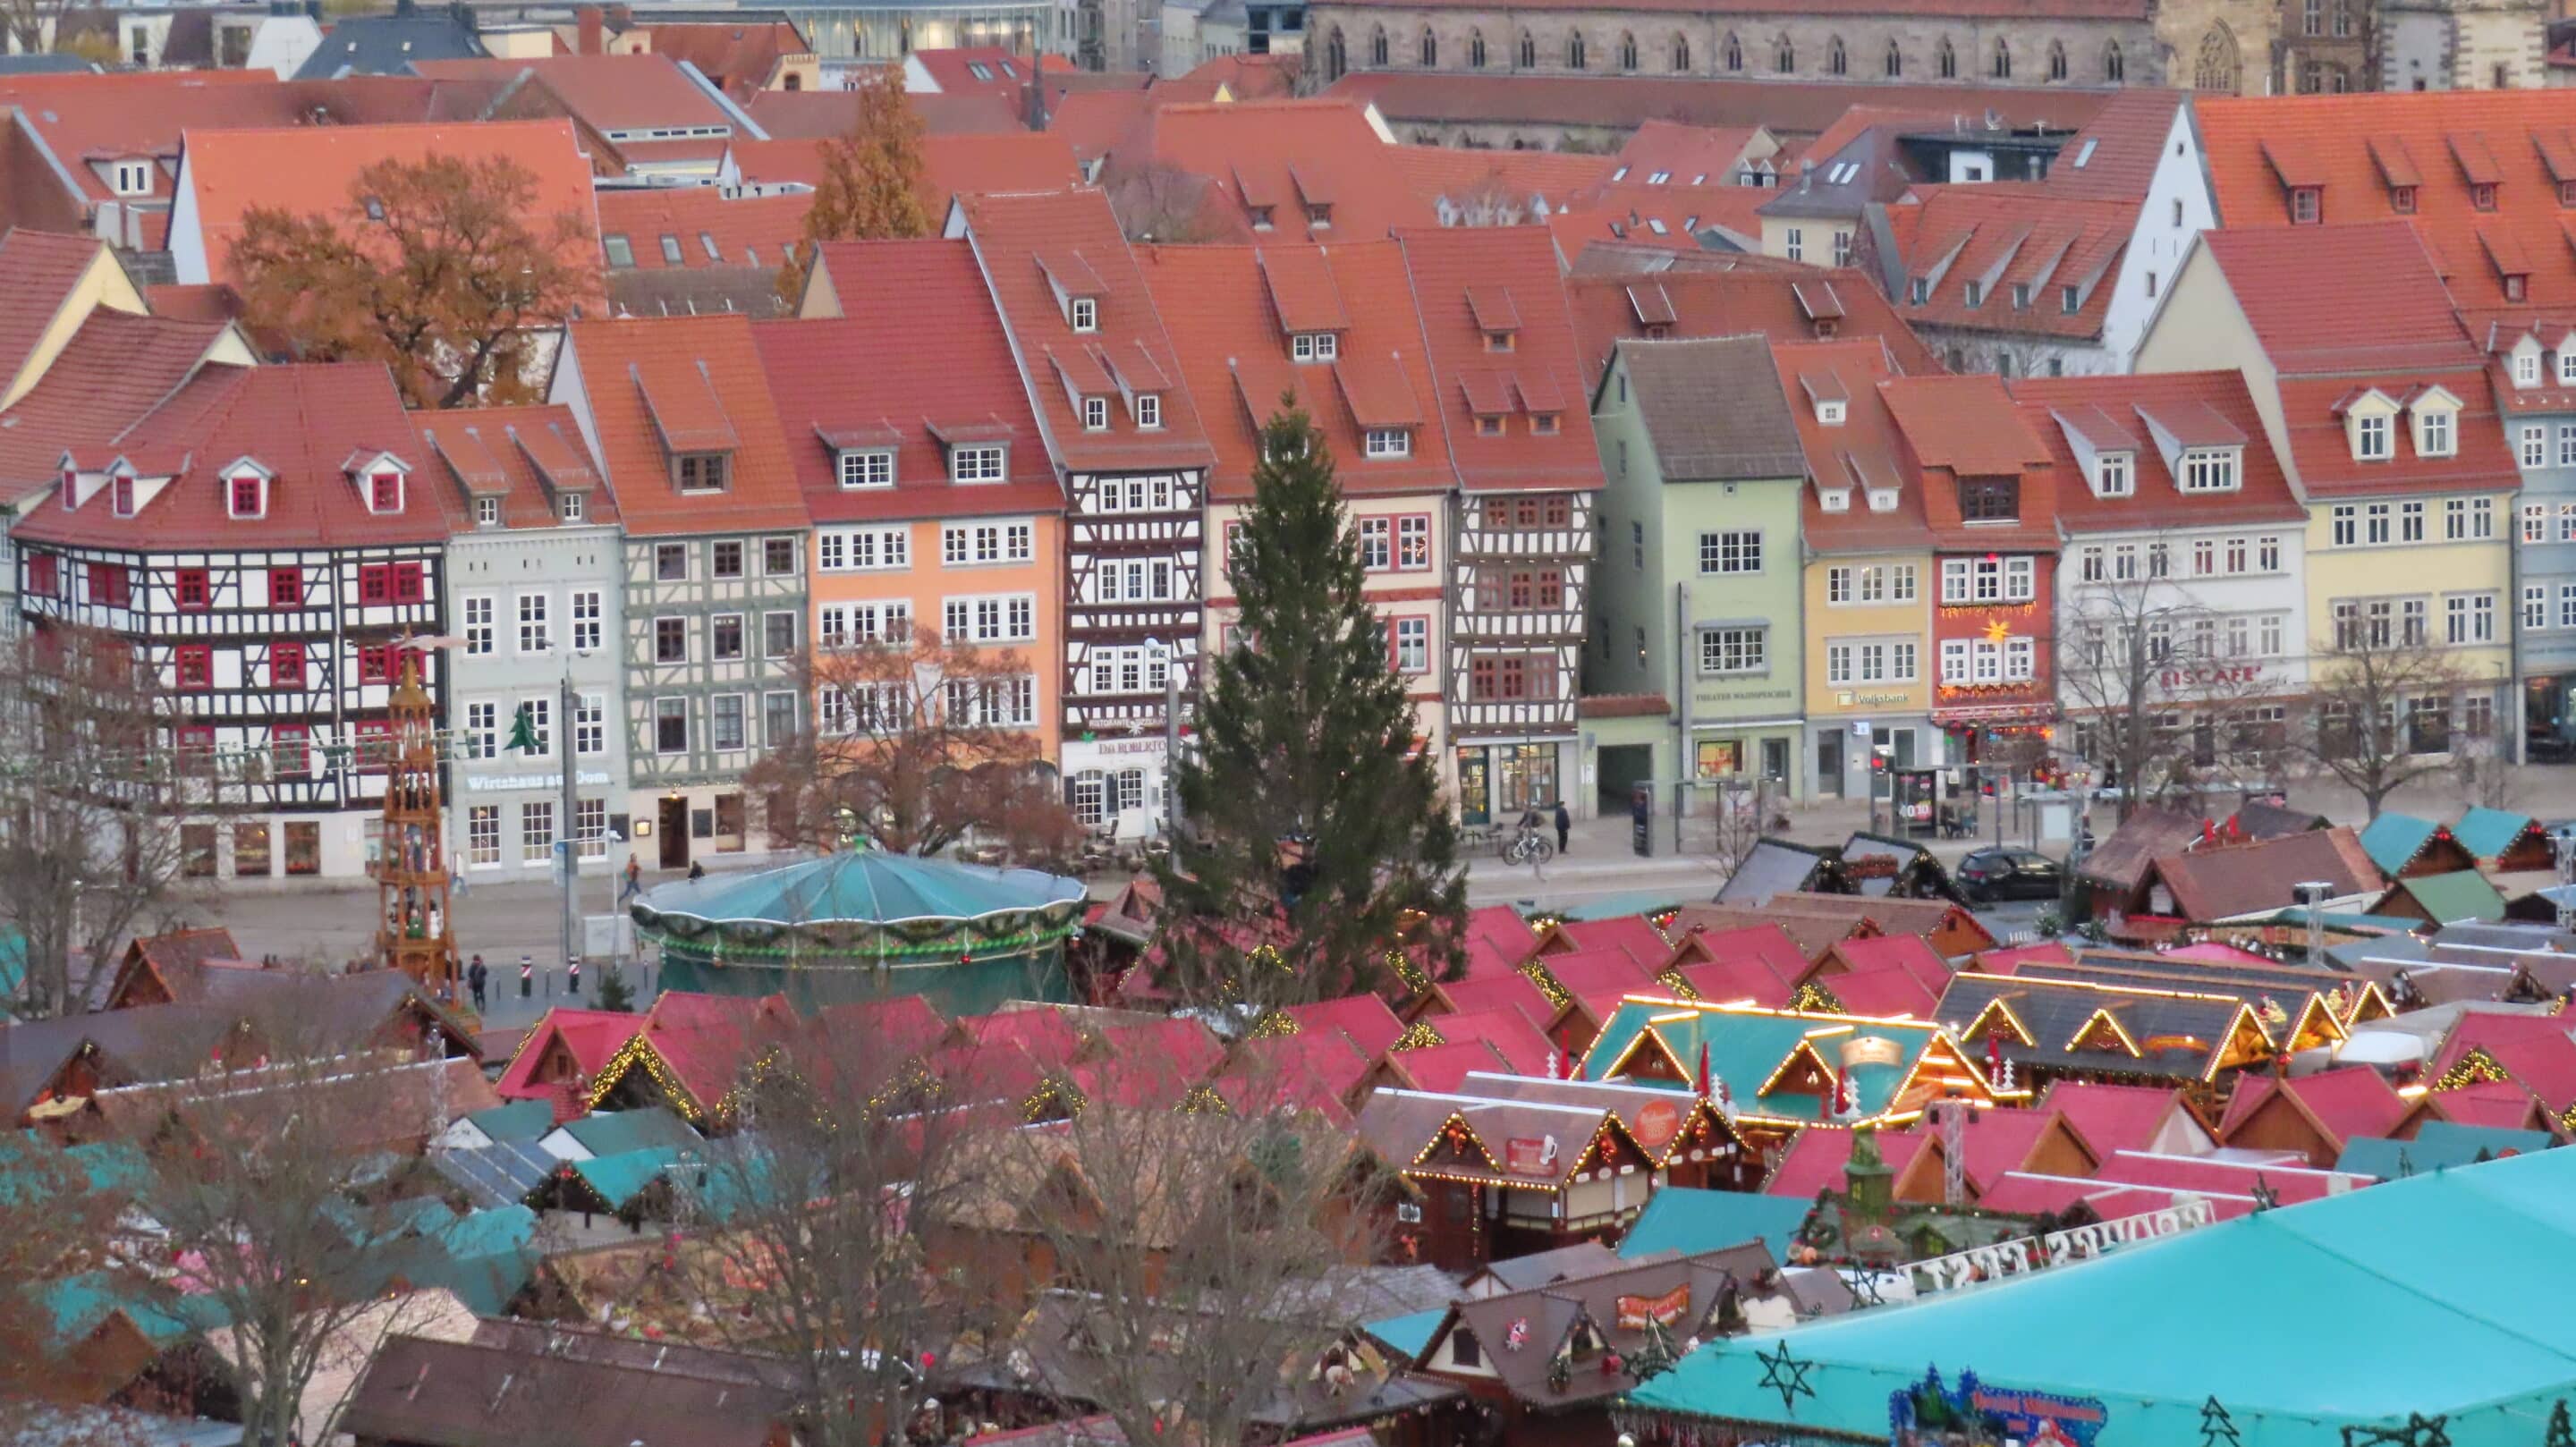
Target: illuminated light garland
column 640, row 1051
column 1052, row 1093
column 1276, row 1025
column 1672, row 980
column 2477, row 1067
column 1203, row 1099
column 1415, row 978
column 2120, row 1032
column 1815, row 997
column 1537, row 974
column 1420, row 1035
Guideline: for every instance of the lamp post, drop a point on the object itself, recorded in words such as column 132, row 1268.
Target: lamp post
column 1171, row 659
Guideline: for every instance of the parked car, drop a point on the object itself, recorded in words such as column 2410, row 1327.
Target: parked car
column 1993, row 874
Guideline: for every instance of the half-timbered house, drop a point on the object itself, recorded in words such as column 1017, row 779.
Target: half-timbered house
column 264, row 540
column 1124, row 436
column 678, row 411
column 1509, row 405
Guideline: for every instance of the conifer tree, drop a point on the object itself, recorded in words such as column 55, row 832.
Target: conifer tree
column 1314, row 849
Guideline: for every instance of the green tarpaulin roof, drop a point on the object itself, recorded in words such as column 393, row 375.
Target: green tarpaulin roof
column 862, row 887
column 619, row 1178
column 1410, row 1333
column 2452, row 898
column 520, row 1120
column 2394, row 1299
column 1680, row 1218
column 2439, row 1145
column 2391, row 840
column 1746, row 1047
column 2486, row 833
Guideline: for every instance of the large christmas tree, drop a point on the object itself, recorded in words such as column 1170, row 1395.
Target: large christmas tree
column 1314, row 850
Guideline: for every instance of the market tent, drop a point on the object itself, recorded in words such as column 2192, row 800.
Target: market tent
column 2416, row 1320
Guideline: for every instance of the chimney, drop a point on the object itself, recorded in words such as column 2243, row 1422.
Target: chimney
column 587, row 36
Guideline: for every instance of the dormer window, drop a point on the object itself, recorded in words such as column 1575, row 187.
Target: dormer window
column 1543, row 424
column 1498, row 341
column 487, row 512
column 2370, row 439
column 1975, row 291
column 980, row 462
column 570, row 508
column 701, row 471
column 1095, row 414
column 867, row 467
column 2482, row 196
column 2210, row 469
column 2070, row 299
column 1319, row 214
column 1084, row 313
column 2021, row 296
column 384, row 492
column 2567, row 366
column 1387, row 442
column 2114, row 475
column 1834, row 499
column 2526, row 369
column 2401, row 199
column 1314, row 346
column 133, row 178
column 2517, row 286
column 1920, row 291
column 71, row 489
column 1489, row 426
column 1149, row 411
column 246, row 495
column 120, row 495
column 2434, row 434
column 1882, row 499
column 1829, row 414
column 1260, row 217
column 2307, row 205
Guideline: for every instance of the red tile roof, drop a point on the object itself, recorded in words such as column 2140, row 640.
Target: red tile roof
column 1607, row 970
column 1513, row 268
column 710, row 366
column 1462, row 177
column 1251, row 77
column 1018, row 161
column 1864, row 451
column 38, row 270
column 2321, row 450
column 1223, row 306
column 2020, row 244
column 2126, row 138
column 1768, row 944
column 1687, row 155
column 1315, row 1069
column 739, row 58
column 1786, row 108
column 1011, row 234
column 1968, row 427
column 954, row 71
column 306, row 424
column 608, row 92
column 2293, row 284
column 1783, row 305
column 308, row 170
column 206, row 302
column 709, row 228
column 1284, row 156
column 2356, row 149
column 924, row 301
column 2134, row 406
column 815, row 114
column 518, row 453
column 116, row 368
column 1670, row 218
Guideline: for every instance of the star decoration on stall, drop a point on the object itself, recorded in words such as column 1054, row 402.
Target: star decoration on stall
column 2419, row 1431
column 1865, row 1290
column 1786, row 1375
column 2560, row 1434
column 2217, row 1429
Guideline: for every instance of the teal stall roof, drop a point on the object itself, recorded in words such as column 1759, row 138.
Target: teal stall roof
column 2377, row 1305
column 858, row 887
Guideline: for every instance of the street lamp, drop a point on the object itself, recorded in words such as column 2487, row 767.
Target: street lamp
column 1171, row 660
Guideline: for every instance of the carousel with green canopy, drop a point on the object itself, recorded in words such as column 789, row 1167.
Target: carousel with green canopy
column 860, row 925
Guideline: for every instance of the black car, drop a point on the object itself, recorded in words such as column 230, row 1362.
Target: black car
column 1992, row 874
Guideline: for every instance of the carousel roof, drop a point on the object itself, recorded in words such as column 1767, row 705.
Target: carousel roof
column 858, row 887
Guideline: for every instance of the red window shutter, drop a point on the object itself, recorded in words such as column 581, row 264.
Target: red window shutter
column 194, row 589
column 286, row 587
column 286, row 665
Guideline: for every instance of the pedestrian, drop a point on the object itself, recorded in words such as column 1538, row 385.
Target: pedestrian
column 1564, row 826
column 697, row 870
column 572, row 973
column 527, row 976
column 476, row 977
column 634, row 880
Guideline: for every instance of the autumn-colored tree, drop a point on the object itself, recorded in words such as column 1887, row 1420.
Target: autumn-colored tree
column 916, row 743
column 441, row 268
column 872, row 179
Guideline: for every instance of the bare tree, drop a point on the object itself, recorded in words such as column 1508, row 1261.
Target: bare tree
column 1196, row 1251
column 2380, row 705
column 916, row 744
column 828, row 1198
column 93, row 785
column 1159, row 201
column 55, row 1223
column 2164, row 694
column 265, row 1188
column 1490, row 201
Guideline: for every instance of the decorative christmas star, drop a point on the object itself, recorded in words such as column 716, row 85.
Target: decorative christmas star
column 1787, row 1376
column 1997, row 631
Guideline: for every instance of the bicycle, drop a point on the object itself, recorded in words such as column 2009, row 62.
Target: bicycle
column 1527, row 847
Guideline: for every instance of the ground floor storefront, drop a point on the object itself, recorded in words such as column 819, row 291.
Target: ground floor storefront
column 1840, row 752
column 1497, row 780
column 672, row 828
column 1115, row 783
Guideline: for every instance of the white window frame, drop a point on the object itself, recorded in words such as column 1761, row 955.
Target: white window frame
column 866, row 467
column 535, row 630
column 1387, row 443
column 479, row 610
column 978, row 462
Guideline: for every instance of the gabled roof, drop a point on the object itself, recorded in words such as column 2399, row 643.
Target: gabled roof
column 823, row 114
column 2021, row 244
column 925, row 301
column 2233, row 880
column 2150, row 832
column 1815, row 1160
column 1014, row 236
column 2216, row 409
column 1713, row 410
column 1784, row 306
column 2535, row 1051
column 2462, row 895
column 1283, row 156
column 38, row 271
column 1772, row 1062
column 1464, row 277
column 608, row 92
column 1865, row 451
column 2289, row 282
column 711, row 365
column 2069, row 1025
column 1791, row 108
column 591, row 1037
column 2488, row 834
column 2346, row 1103
column 389, row 45
column 523, row 455
column 304, row 423
column 308, row 170
column 710, row 228
column 1687, row 1220
column 1230, row 311
column 2117, row 1117
column 738, row 56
